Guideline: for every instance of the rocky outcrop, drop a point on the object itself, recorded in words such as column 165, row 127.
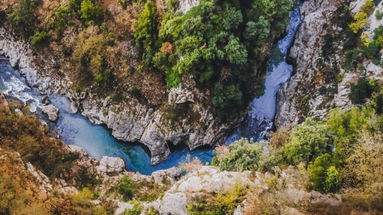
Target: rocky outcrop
column 111, row 165
column 301, row 96
column 321, row 81
column 51, row 111
column 208, row 181
column 129, row 121
column 3, row 101
column 186, row 5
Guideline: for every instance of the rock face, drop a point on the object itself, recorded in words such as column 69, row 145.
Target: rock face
column 186, row 5
column 321, row 81
column 128, row 121
column 210, row 180
column 111, row 165
column 51, row 111
column 3, row 101
column 300, row 97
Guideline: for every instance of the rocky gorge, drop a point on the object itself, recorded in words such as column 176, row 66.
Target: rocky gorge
column 128, row 122
column 320, row 82
column 319, row 57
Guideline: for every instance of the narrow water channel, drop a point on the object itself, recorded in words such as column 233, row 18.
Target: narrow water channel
column 97, row 140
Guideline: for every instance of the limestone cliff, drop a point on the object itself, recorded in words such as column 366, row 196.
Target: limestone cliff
column 321, row 81
column 154, row 116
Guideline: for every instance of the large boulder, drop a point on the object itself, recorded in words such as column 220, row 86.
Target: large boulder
column 51, row 111
column 111, row 165
column 3, row 101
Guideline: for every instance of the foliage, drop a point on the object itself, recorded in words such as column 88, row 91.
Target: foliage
column 378, row 15
column 307, row 142
column 139, row 190
column 90, row 55
column 123, row 3
column 323, row 175
column 26, row 135
column 146, row 31
column 91, row 12
column 221, row 204
column 23, row 16
column 15, row 199
column 39, row 39
column 280, row 137
column 126, row 188
column 243, row 155
column 208, row 42
column 82, row 204
column 64, row 15
column 136, row 210
column 362, row 91
column 360, row 18
column 346, row 126
column 363, row 172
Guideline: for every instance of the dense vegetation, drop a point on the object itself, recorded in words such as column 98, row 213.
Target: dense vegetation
column 339, row 154
column 26, row 135
column 20, row 192
column 223, row 44
column 139, row 190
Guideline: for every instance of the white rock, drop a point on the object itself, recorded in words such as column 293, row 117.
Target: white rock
column 122, row 207
column 78, row 149
column 186, row 5
column 51, row 111
column 111, row 165
column 173, row 203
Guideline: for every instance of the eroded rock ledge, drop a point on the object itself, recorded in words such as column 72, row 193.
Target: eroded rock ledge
column 128, row 121
column 300, row 97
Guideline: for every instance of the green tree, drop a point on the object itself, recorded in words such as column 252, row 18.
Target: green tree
column 307, row 142
column 323, row 174
column 243, row 155
column 126, row 188
column 146, row 31
column 23, row 16
column 39, row 39
column 91, row 12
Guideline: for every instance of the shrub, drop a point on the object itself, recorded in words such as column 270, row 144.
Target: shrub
column 363, row 172
column 123, row 3
column 307, row 142
column 227, row 98
column 23, row 16
column 323, row 174
column 208, row 42
column 146, row 31
column 360, row 20
column 16, row 199
column 136, row 210
column 126, row 188
column 280, row 137
column 346, row 126
column 91, row 12
column 361, row 91
column 217, row 205
column 243, row 155
column 39, row 39
column 26, row 135
column 378, row 15
column 82, row 204
column 90, row 56
column 353, row 58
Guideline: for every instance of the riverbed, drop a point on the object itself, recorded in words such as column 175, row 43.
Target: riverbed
column 97, row 140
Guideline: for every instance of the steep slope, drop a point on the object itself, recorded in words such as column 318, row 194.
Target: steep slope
column 328, row 70
column 147, row 82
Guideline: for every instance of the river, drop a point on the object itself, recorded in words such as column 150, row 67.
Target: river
column 97, row 140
